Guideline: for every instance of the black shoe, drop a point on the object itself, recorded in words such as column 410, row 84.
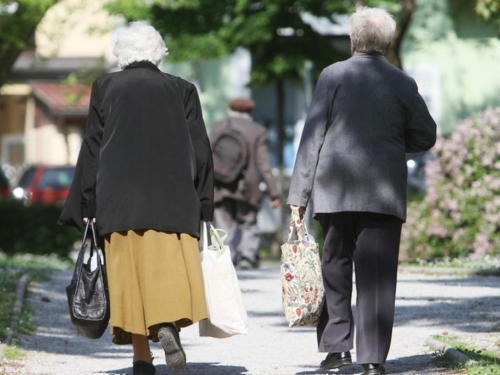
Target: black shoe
column 244, row 264
column 336, row 360
column 175, row 357
column 144, row 368
column 373, row 369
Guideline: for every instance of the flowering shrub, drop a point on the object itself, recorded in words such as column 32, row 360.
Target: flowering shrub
column 460, row 214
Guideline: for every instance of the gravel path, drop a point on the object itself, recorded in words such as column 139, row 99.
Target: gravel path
column 468, row 307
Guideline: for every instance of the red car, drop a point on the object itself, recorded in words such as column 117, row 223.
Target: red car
column 44, row 184
column 4, row 185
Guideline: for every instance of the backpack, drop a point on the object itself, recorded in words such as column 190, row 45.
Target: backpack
column 230, row 154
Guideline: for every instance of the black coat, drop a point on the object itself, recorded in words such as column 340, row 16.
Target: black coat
column 145, row 161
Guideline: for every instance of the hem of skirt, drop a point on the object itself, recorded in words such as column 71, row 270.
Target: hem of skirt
column 124, row 335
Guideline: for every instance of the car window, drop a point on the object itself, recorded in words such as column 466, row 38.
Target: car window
column 27, row 178
column 57, row 178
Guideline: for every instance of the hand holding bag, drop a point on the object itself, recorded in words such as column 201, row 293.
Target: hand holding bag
column 226, row 312
column 88, row 295
column 303, row 289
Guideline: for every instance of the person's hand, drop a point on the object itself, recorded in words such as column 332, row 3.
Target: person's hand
column 275, row 203
column 302, row 210
column 85, row 219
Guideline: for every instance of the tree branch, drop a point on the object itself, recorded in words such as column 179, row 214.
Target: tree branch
column 393, row 52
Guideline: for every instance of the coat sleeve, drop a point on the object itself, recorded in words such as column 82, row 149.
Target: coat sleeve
column 89, row 157
column 264, row 165
column 204, row 181
column 310, row 145
column 420, row 131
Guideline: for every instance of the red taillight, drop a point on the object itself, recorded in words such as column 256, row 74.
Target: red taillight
column 4, row 192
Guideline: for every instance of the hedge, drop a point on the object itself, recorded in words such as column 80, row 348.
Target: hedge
column 33, row 229
column 460, row 214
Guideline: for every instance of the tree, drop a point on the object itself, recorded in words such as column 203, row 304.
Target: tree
column 18, row 22
column 489, row 10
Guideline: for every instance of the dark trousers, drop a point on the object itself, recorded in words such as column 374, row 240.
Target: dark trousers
column 371, row 241
column 239, row 219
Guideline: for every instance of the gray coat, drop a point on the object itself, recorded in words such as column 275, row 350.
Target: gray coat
column 258, row 167
column 365, row 115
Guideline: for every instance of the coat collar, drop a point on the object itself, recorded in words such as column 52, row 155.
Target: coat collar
column 372, row 55
column 141, row 64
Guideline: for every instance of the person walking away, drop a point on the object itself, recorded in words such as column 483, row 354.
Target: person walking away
column 365, row 115
column 145, row 175
column 241, row 161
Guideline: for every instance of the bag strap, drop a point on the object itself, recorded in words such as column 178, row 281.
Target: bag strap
column 214, row 233
column 204, row 235
column 297, row 225
column 95, row 245
column 81, row 254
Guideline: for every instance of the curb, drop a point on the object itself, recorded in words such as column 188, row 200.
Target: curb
column 450, row 352
column 451, row 271
column 18, row 308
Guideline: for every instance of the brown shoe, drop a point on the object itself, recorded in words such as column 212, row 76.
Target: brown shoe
column 169, row 338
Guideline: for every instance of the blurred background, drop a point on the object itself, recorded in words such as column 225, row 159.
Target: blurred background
column 271, row 51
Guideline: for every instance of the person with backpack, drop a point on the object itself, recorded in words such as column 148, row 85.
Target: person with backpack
column 241, row 162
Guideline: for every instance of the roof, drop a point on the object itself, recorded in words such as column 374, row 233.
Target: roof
column 29, row 66
column 62, row 99
column 337, row 25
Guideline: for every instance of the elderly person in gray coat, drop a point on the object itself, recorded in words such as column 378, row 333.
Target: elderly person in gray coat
column 364, row 117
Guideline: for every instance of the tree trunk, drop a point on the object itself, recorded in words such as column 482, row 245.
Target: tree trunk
column 394, row 50
column 7, row 59
column 280, row 109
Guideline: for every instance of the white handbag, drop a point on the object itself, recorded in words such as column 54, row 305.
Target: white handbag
column 226, row 312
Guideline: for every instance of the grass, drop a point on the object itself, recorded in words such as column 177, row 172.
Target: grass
column 13, row 353
column 486, row 262
column 11, row 270
column 488, row 363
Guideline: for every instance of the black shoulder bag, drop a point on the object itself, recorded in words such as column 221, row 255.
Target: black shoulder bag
column 88, row 295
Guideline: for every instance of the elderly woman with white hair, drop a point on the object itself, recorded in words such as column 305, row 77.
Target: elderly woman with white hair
column 365, row 115
column 145, row 176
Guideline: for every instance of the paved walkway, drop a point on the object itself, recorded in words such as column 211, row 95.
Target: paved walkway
column 426, row 305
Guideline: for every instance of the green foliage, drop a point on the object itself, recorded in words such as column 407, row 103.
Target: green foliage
column 488, row 9
column 488, row 362
column 460, row 215
column 17, row 27
column 197, row 30
column 33, row 230
column 13, row 353
column 14, row 26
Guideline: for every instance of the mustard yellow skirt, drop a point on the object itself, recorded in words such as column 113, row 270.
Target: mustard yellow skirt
column 154, row 277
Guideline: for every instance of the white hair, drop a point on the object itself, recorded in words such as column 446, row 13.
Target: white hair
column 372, row 29
column 138, row 42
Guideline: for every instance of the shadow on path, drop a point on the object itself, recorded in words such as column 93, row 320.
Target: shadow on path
column 191, row 368
column 418, row 364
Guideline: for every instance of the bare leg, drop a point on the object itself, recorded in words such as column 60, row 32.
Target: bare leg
column 140, row 344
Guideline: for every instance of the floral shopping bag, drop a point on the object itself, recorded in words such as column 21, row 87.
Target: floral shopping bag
column 303, row 290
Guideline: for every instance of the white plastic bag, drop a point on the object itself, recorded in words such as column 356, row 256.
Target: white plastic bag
column 226, row 311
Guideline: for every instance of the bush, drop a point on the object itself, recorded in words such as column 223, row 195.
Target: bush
column 34, row 229
column 460, row 214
